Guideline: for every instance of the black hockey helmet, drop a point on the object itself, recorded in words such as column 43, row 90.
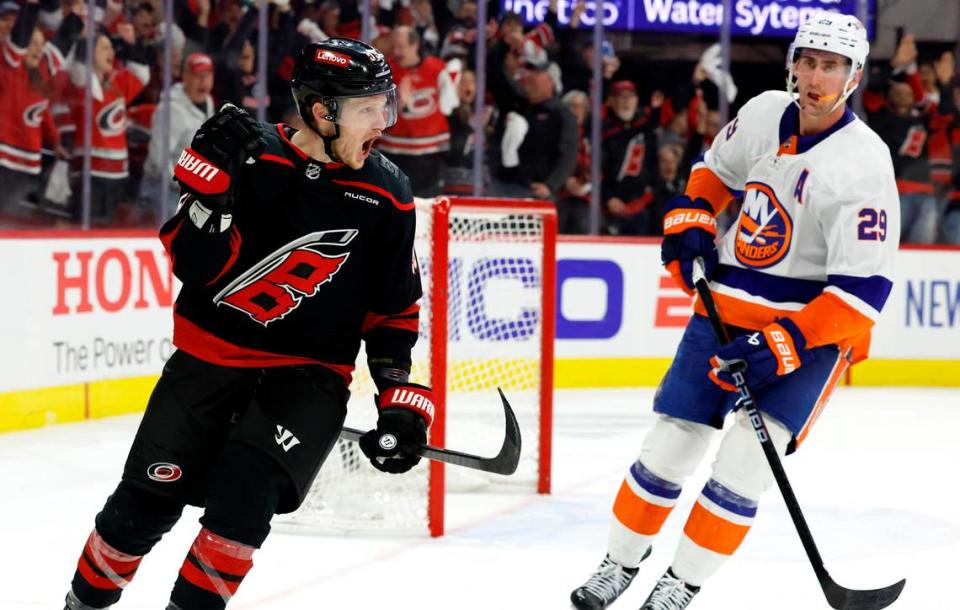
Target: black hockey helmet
column 340, row 68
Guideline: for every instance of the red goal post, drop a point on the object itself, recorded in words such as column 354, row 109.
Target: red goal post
column 492, row 263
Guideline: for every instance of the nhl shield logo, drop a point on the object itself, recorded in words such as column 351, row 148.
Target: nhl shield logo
column 764, row 230
column 313, row 171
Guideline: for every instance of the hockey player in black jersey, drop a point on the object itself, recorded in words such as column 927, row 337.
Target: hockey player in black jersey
column 292, row 246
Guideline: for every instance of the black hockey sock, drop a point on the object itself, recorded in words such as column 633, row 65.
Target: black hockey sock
column 243, row 496
column 131, row 522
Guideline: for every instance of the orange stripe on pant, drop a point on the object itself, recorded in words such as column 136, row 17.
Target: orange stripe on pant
column 713, row 532
column 637, row 514
column 836, row 374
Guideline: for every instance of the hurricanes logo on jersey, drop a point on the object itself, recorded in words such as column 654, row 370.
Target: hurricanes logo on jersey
column 33, row 115
column 112, row 119
column 764, row 230
column 277, row 285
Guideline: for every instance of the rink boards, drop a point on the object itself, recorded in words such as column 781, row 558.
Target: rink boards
column 88, row 318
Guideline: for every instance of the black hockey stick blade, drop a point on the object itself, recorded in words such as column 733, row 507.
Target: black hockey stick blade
column 504, row 462
column 842, row 598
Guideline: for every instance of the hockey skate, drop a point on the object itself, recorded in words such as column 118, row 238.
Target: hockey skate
column 605, row 585
column 671, row 593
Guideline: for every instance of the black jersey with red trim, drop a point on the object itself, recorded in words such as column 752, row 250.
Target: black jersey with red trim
column 316, row 257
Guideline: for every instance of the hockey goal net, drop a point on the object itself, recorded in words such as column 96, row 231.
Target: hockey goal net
column 486, row 321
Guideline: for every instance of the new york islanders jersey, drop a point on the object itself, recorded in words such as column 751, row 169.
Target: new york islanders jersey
column 819, row 226
column 318, row 256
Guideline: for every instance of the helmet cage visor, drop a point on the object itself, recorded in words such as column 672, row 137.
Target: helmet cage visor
column 367, row 111
column 849, row 72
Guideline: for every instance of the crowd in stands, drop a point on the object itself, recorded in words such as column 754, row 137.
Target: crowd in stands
column 536, row 119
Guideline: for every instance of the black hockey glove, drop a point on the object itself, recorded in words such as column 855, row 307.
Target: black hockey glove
column 406, row 412
column 218, row 150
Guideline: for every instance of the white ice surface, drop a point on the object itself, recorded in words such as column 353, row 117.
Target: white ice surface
column 877, row 480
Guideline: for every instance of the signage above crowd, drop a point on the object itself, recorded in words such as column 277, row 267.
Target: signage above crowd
column 773, row 18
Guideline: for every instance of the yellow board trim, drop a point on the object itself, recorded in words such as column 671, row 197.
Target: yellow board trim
column 25, row 409
column 609, row 372
column 878, row 372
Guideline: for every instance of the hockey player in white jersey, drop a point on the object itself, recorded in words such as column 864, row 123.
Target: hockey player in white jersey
column 800, row 278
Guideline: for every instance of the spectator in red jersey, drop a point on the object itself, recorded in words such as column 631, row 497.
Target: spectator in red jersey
column 190, row 105
column 114, row 87
column 426, row 95
column 897, row 112
column 27, row 69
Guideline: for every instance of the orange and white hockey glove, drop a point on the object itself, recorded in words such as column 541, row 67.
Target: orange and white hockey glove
column 764, row 356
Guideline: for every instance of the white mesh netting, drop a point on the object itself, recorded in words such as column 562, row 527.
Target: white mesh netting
column 494, row 330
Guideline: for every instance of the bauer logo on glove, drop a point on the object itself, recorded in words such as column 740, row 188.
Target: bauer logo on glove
column 764, row 356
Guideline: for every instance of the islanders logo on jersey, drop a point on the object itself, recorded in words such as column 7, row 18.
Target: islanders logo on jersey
column 764, row 230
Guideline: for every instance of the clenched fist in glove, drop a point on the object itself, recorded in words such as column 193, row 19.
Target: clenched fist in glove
column 689, row 231
column 763, row 356
column 218, row 150
column 406, row 412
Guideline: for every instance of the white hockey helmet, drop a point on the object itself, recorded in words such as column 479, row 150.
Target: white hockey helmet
column 836, row 33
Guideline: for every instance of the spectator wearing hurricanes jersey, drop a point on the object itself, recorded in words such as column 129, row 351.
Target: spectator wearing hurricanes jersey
column 296, row 250
column 190, row 105
column 426, row 96
column 629, row 161
column 896, row 110
column 114, row 86
column 27, row 68
column 537, row 149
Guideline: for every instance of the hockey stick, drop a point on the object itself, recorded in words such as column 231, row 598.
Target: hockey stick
column 504, row 462
column 838, row 597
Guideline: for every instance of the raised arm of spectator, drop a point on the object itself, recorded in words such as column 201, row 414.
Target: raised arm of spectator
column 68, row 33
column 194, row 26
column 24, row 25
column 945, row 68
column 51, row 15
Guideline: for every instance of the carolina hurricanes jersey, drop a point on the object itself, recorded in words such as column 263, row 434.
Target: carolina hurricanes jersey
column 108, row 151
column 26, row 107
column 317, row 257
column 819, row 227
column 422, row 127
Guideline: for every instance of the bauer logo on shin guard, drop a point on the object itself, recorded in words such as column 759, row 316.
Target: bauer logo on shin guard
column 164, row 472
column 199, row 174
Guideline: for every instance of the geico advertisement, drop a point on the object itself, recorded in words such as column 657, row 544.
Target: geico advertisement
column 88, row 309
column 100, row 308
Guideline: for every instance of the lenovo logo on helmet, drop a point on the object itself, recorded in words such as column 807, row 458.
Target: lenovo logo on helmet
column 332, row 58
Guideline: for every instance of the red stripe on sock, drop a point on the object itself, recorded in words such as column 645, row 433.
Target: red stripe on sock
column 221, row 554
column 202, row 580
column 99, row 557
